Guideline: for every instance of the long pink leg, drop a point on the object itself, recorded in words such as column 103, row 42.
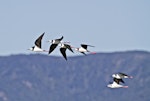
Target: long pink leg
column 125, row 87
column 92, row 52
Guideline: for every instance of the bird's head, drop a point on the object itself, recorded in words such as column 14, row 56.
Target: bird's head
column 31, row 49
column 51, row 41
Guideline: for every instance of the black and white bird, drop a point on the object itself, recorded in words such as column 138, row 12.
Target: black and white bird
column 121, row 75
column 83, row 49
column 54, row 44
column 63, row 49
column 116, row 84
column 38, row 47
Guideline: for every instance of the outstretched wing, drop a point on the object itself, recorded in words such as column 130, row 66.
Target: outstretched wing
column 121, row 80
column 85, row 46
column 69, row 47
column 123, row 74
column 63, row 52
column 83, row 53
column 118, row 80
column 60, row 38
column 52, row 47
column 38, row 41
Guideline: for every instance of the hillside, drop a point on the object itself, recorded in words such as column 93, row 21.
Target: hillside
column 38, row 77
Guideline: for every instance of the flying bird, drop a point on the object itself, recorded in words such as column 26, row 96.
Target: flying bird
column 83, row 49
column 121, row 75
column 37, row 47
column 54, row 44
column 116, row 84
column 63, row 49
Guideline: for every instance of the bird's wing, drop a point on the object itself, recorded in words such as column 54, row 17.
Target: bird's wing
column 60, row 38
column 83, row 53
column 118, row 80
column 63, row 52
column 121, row 80
column 52, row 47
column 69, row 47
column 38, row 41
column 123, row 74
column 85, row 46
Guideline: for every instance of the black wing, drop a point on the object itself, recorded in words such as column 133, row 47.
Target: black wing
column 118, row 80
column 38, row 41
column 69, row 47
column 121, row 80
column 52, row 47
column 60, row 38
column 83, row 53
column 63, row 52
column 85, row 46
column 123, row 74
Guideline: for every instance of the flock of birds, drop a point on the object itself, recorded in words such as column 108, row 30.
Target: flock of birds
column 63, row 46
column 117, row 78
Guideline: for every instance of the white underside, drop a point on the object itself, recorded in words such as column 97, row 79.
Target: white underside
column 81, row 49
column 114, row 85
column 37, row 49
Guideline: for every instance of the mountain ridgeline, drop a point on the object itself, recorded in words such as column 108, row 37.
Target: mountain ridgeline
column 38, row 77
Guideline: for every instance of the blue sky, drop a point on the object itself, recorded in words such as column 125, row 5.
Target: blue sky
column 109, row 25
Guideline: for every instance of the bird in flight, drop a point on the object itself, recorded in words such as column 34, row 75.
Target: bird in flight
column 63, row 49
column 54, row 44
column 38, row 45
column 116, row 84
column 83, row 49
column 117, row 79
column 121, row 75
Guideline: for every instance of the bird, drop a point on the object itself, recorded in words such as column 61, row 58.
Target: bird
column 54, row 44
column 37, row 47
column 63, row 49
column 83, row 49
column 121, row 75
column 116, row 84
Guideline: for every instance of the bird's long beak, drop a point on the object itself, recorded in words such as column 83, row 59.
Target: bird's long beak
column 45, row 50
column 29, row 49
column 49, row 41
column 66, row 42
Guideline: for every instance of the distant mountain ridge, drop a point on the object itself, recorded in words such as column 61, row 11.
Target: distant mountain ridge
column 39, row 77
